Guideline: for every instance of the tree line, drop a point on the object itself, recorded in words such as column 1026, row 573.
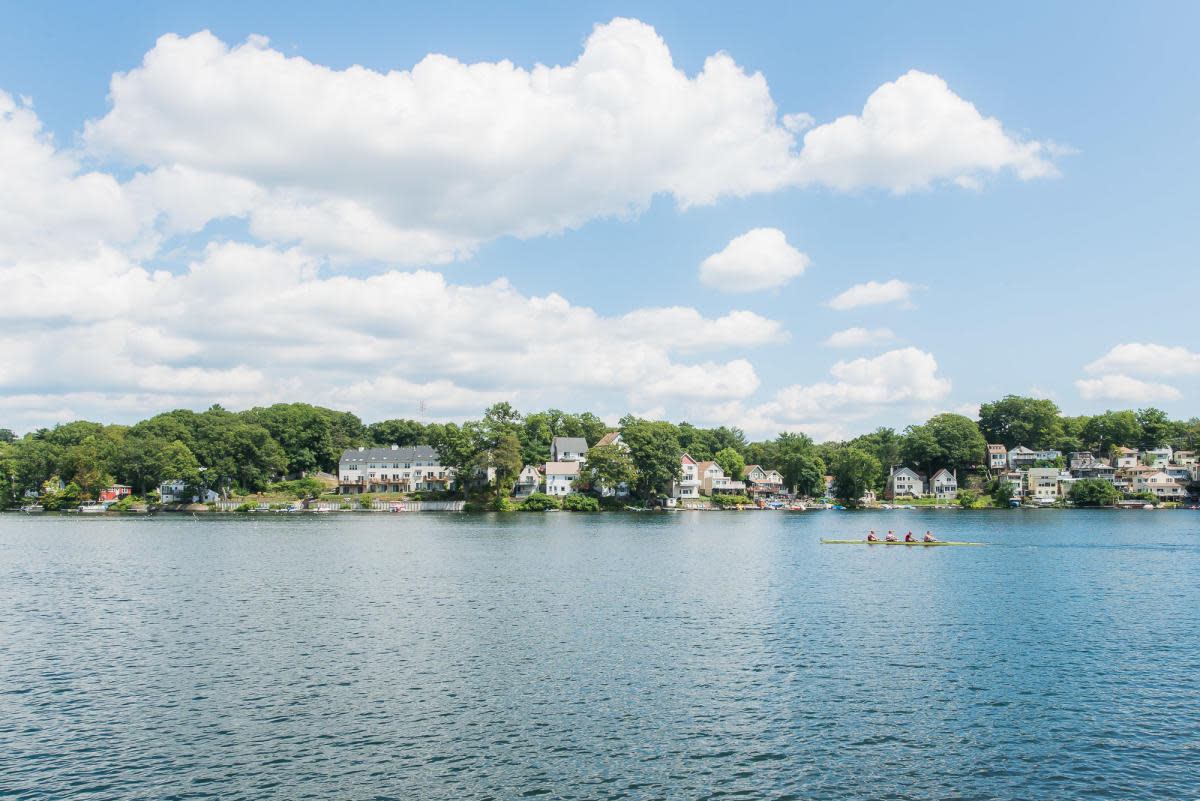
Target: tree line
column 245, row 451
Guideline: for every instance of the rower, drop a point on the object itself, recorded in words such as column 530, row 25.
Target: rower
column 929, row 537
column 871, row 537
column 891, row 537
column 909, row 537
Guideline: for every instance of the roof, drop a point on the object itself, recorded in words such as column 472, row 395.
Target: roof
column 608, row 439
column 686, row 458
column 943, row 470
column 575, row 444
column 390, row 454
column 1022, row 449
column 702, row 466
column 562, row 468
column 997, row 448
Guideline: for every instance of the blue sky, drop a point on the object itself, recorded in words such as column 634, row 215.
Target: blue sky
column 261, row 213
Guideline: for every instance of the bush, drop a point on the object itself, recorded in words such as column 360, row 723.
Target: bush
column 730, row 500
column 1093, row 492
column 245, row 507
column 967, row 499
column 1002, row 493
column 539, row 502
column 1149, row 497
column 500, row 504
column 581, row 503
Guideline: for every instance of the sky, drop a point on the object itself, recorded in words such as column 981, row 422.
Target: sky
column 783, row 217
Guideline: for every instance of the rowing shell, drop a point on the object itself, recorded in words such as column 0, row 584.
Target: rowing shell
column 901, row 542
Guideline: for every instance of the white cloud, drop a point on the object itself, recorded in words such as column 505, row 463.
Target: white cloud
column 857, row 337
column 874, row 293
column 420, row 166
column 902, row 376
column 914, row 132
column 1147, row 359
column 1125, row 389
column 758, row 259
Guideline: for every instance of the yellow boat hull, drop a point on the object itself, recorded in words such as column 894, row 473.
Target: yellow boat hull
column 901, row 542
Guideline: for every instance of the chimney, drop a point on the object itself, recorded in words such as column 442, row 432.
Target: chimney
column 360, row 448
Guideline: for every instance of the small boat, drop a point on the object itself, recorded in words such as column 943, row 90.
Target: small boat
column 33, row 509
column 897, row 542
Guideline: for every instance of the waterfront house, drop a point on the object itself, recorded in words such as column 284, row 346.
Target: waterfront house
column 1160, row 484
column 1184, row 458
column 568, row 449
column 394, row 469
column 997, row 457
column 761, row 483
column 114, row 493
column 176, row 491
column 713, row 480
column 1016, row 480
column 1047, row 456
column 688, row 486
column 528, row 481
column 1085, row 465
column 944, row 485
column 611, row 438
column 559, row 477
column 1042, row 483
column 904, row 482
column 1021, row 457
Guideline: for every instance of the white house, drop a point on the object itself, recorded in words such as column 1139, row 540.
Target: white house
column 1161, row 484
column 713, row 480
column 1016, row 480
column 559, row 476
column 568, row 449
column 762, row 483
column 1184, row 458
column 614, row 438
column 393, row 469
column 944, row 485
column 177, row 492
column 529, row 479
column 687, row 487
column 1021, row 457
column 904, row 481
column 997, row 457
column 1047, row 455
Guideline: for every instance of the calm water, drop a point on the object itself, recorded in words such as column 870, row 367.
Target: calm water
column 621, row 656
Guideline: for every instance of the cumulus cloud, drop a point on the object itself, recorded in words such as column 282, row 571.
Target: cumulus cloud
column 857, row 337
column 420, row 166
column 1125, row 389
column 874, row 293
column 758, row 259
column 913, row 132
column 1147, row 359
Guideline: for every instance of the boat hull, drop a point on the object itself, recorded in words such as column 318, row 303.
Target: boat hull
column 925, row 544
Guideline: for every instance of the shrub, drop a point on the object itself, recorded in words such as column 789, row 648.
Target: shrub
column 245, row 507
column 1093, row 492
column 967, row 499
column 539, row 502
column 581, row 503
column 500, row 504
column 730, row 500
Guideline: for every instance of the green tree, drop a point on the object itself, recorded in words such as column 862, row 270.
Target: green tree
column 731, row 462
column 946, row 440
column 404, row 433
column 1156, row 427
column 1002, row 494
column 805, row 474
column 7, row 435
column 1093, row 492
column 854, row 472
column 654, row 450
column 1015, row 420
column 458, row 448
column 967, row 499
column 608, row 467
column 1103, row 432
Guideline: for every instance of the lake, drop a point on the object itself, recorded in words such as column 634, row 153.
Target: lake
column 683, row 655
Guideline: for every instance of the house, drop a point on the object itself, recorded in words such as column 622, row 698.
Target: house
column 176, row 491
column 559, row 477
column 1041, row 483
column 1184, row 458
column 528, row 481
column 1047, row 456
column 1181, row 474
column 687, row 487
column 611, row 438
column 395, row 469
column 944, row 485
column 568, row 449
column 114, row 493
column 761, row 483
column 829, row 482
column 1021, row 457
column 902, row 482
column 997, row 457
column 1160, row 484
column 1016, row 480
column 1124, row 457
column 713, row 480
column 1159, row 457
column 1085, row 465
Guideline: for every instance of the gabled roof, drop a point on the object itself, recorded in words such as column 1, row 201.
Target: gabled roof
column 1022, row 449
column 940, row 472
column 907, row 470
column 704, row 466
column 685, row 458
column 996, row 448
column 574, row 444
column 562, row 468
column 608, row 439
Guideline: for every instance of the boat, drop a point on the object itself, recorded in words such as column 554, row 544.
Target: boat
column 33, row 509
column 897, row 542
